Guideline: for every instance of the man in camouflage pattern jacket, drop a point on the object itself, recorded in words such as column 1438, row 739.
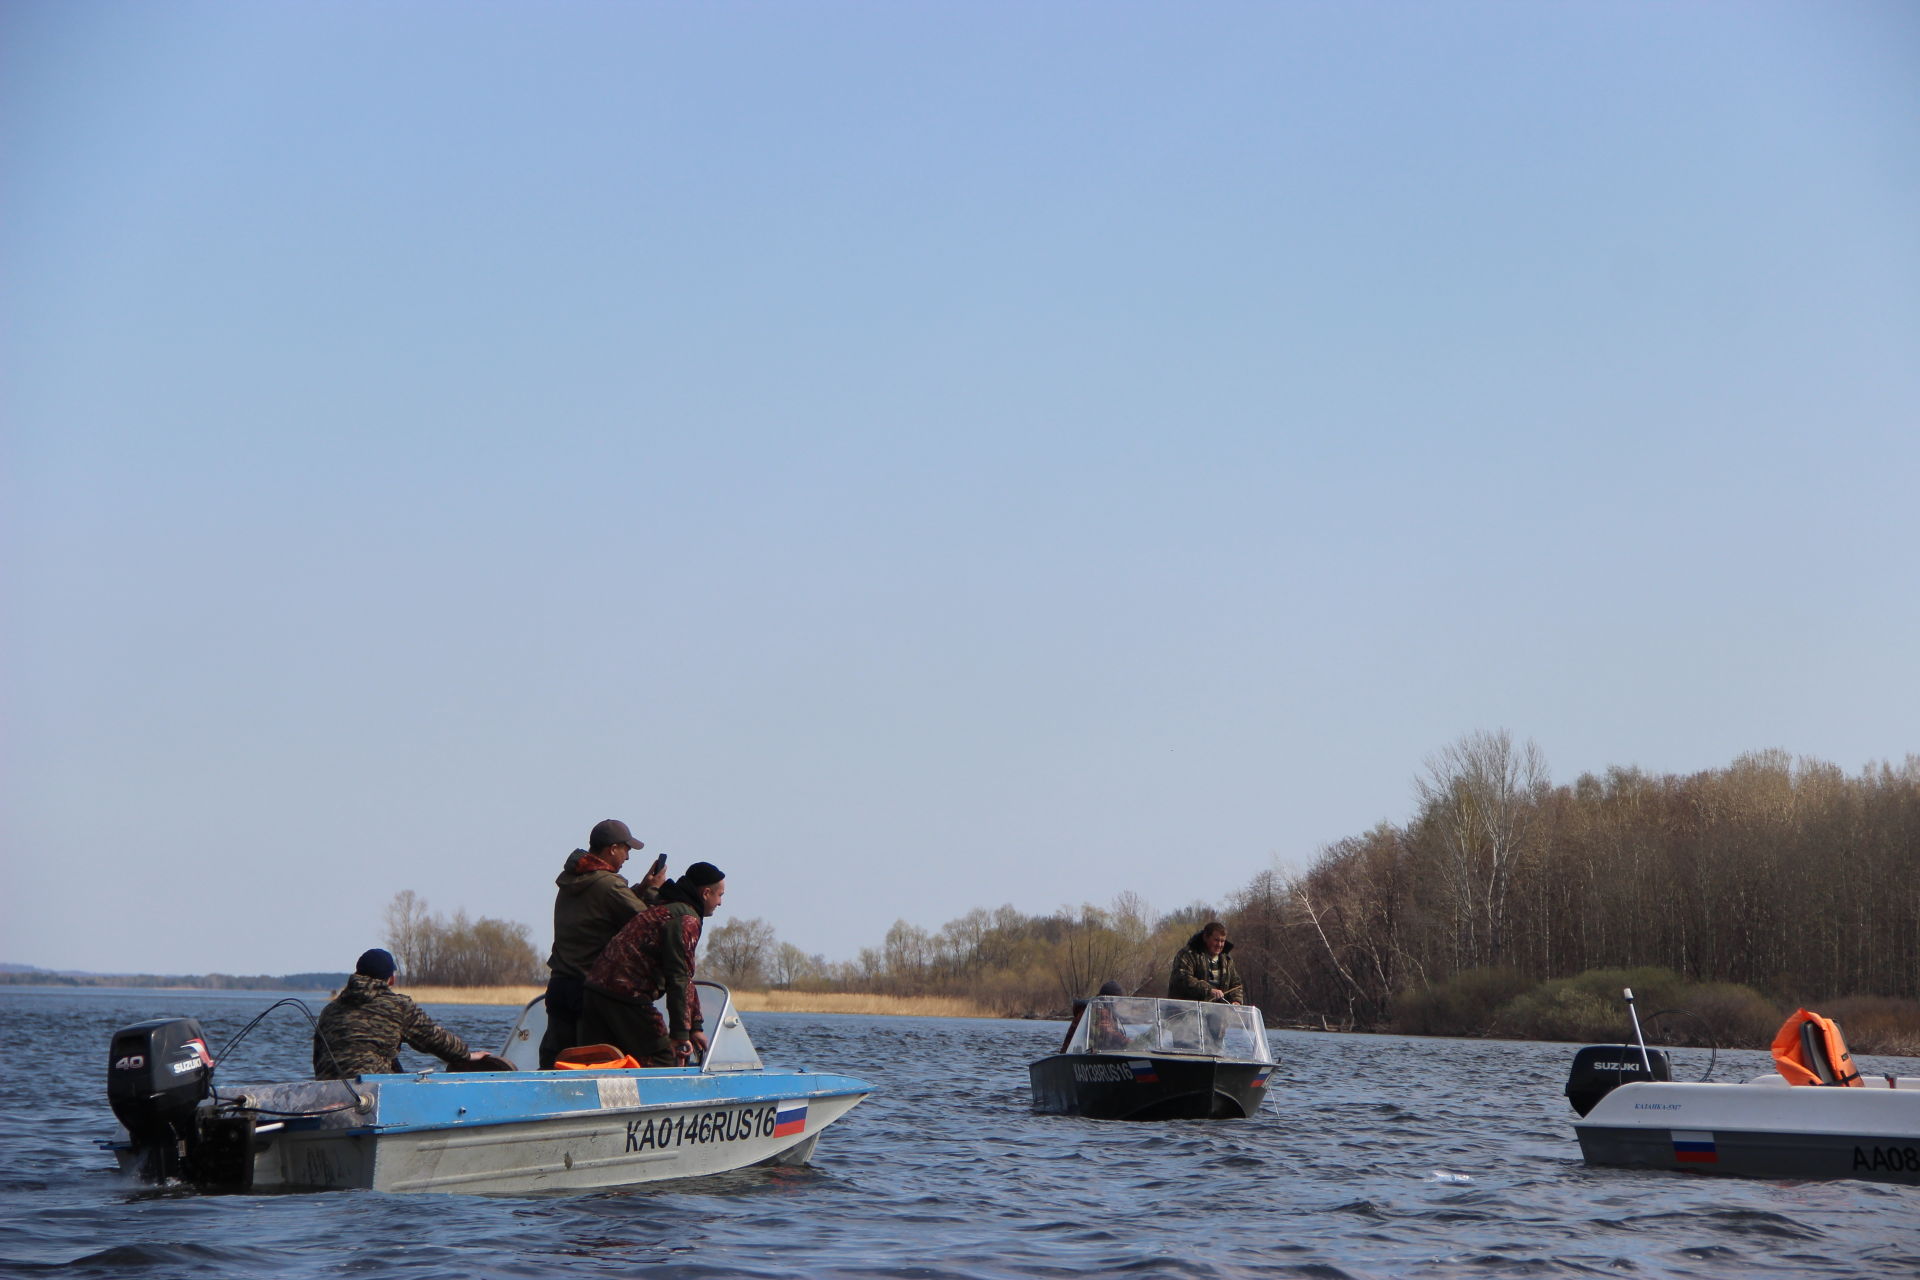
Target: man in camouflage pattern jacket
column 653, row 956
column 361, row 1030
column 1203, row 969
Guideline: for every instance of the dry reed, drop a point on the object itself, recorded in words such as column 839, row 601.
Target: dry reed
column 747, row 1001
column 470, row 995
column 853, row 1002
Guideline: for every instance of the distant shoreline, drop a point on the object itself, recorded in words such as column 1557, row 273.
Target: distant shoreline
column 747, row 1001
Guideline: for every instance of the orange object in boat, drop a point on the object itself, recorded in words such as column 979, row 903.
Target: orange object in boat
column 1809, row 1049
column 595, row 1057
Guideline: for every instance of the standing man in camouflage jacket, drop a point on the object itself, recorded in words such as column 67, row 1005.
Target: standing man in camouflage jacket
column 653, row 956
column 361, row 1030
column 1203, row 969
column 593, row 904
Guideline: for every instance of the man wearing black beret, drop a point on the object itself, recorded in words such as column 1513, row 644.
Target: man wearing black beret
column 651, row 957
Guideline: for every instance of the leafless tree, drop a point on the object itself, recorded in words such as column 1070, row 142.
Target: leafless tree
column 737, row 952
column 1480, row 796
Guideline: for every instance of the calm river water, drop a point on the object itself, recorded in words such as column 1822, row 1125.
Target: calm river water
column 1375, row 1156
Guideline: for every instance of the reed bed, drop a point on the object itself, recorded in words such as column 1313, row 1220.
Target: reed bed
column 853, row 1002
column 470, row 995
column 747, row 1001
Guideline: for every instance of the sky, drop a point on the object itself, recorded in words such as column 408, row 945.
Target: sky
column 915, row 457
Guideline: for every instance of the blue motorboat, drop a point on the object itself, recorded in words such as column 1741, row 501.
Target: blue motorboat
column 516, row 1131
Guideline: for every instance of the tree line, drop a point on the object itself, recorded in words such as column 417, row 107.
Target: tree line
column 458, row 952
column 1005, row 960
column 1784, row 876
column 1770, row 882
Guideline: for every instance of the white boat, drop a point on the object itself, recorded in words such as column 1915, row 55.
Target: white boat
column 512, row 1132
column 1764, row 1128
column 1632, row 1115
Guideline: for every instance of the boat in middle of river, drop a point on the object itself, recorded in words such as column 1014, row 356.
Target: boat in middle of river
column 510, row 1132
column 1144, row 1058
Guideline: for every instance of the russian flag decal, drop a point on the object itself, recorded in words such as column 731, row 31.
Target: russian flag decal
column 1143, row 1072
column 1260, row 1077
column 1694, row 1146
column 790, row 1119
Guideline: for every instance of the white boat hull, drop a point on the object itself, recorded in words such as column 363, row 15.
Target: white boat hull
column 1765, row 1128
column 572, row 1153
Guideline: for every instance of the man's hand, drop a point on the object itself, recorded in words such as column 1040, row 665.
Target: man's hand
column 685, row 1050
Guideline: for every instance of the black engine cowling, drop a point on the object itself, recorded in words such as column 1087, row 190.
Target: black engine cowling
column 158, row 1072
column 1599, row 1069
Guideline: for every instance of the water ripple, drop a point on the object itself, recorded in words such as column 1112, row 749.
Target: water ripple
column 1376, row 1157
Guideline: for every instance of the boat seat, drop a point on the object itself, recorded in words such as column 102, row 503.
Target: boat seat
column 1815, row 1053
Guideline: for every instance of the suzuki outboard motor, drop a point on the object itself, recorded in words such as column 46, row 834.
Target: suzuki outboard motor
column 157, row 1074
column 1599, row 1069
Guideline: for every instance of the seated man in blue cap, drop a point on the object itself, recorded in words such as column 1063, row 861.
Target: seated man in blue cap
column 361, row 1030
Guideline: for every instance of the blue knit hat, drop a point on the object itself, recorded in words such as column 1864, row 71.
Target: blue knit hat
column 376, row 963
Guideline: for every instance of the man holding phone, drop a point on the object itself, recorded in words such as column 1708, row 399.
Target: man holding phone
column 647, row 887
column 594, row 903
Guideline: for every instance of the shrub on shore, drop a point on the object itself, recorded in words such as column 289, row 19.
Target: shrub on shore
column 1876, row 1024
column 1464, row 1005
column 1588, row 1007
column 1674, row 1011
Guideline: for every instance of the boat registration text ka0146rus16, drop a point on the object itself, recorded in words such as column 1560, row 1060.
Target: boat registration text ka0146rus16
column 734, row 1124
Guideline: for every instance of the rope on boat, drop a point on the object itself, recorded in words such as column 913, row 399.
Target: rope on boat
column 241, row 1104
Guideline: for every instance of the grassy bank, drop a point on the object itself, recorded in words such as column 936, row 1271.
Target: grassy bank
column 851, row 1002
column 747, row 1001
column 471, row 995
column 1494, row 1004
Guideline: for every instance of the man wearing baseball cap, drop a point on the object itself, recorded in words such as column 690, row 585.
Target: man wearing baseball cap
column 593, row 904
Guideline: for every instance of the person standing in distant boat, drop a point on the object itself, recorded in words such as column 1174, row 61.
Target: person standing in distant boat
column 1203, row 969
column 361, row 1030
column 651, row 957
column 594, row 903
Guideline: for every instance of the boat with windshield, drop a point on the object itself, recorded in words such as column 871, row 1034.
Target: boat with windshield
column 490, row 1131
column 1146, row 1058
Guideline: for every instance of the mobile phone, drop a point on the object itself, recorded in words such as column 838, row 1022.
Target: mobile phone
column 659, row 865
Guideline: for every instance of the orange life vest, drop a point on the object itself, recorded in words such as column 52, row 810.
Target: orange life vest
column 595, row 1057
column 1809, row 1049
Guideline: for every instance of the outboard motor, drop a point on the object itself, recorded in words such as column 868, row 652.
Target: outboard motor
column 158, row 1072
column 1599, row 1069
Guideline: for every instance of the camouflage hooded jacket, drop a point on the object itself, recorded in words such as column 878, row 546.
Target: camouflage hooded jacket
column 653, row 957
column 1195, row 973
column 361, row 1031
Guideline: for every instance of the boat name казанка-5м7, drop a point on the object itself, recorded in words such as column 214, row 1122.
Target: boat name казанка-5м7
column 1144, row 1058
column 477, row 1132
column 1814, row 1117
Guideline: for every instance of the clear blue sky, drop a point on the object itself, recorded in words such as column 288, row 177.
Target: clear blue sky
column 918, row 456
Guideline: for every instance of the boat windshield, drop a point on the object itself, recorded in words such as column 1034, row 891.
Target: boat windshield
column 729, row 1048
column 1143, row 1024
